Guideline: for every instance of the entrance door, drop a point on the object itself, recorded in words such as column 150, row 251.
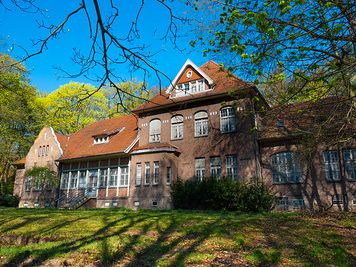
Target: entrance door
column 92, row 183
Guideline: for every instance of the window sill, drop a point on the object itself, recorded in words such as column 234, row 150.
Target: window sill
column 176, row 139
column 146, row 185
column 333, row 181
column 286, row 183
column 230, row 132
column 198, row 136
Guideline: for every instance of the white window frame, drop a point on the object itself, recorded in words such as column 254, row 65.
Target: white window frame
column 101, row 139
column 177, row 127
column 82, row 178
column 103, row 177
column 227, row 120
column 147, row 173
column 332, row 165
column 231, row 167
column 200, row 168
column 28, row 183
column 138, row 177
column 169, row 175
column 155, row 178
column 201, row 127
column 192, row 87
column 286, row 168
column 155, row 131
column 215, row 167
column 350, row 163
column 65, row 180
column 74, row 179
column 113, row 176
column 124, row 176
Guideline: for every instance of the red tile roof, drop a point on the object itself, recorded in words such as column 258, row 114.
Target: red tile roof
column 20, row 161
column 224, row 82
column 327, row 115
column 81, row 144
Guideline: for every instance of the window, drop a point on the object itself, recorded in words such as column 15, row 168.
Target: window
column 155, row 131
column 47, row 149
column 113, row 177
column 215, row 167
column 200, row 168
column 227, row 120
column 28, row 183
column 350, row 163
column 339, row 199
column 231, row 167
column 177, row 127
column 101, row 139
column 82, row 179
column 286, row 168
column 124, row 176
column 169, row 175
column 190, row 88
column 155, row 172
column 39, row 152
column 65, row 180
column 103, row 177
column 331, row 165
column 73, row 179
column 147, row 173
column 201, row 123
column 138, row 173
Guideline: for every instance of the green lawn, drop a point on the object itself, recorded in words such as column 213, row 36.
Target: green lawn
column 174, row 238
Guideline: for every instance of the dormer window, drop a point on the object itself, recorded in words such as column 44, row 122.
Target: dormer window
column 192, row 87
column 101, row 139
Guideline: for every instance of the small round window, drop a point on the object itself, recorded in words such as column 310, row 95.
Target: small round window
column 189, row 74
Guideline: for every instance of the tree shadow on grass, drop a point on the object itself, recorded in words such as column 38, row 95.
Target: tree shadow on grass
column 27, row 258
column 306, row 243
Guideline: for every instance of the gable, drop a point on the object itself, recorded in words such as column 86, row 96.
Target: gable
column 189, row 74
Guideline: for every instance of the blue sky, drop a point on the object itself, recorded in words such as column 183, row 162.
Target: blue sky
column 19, row 29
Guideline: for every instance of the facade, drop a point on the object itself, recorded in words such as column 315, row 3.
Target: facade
column 208, row 123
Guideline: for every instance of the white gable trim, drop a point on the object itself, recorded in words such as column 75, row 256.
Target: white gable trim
column 128, row 149
column 188, row 63
column 56, row 140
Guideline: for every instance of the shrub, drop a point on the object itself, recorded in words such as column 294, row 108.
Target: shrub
column 9, row 201
column 222, row 194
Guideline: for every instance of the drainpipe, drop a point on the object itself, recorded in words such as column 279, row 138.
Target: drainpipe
column 257, row 148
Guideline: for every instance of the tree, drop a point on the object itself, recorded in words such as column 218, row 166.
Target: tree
column 20, row 114
column 274, row 40
column 73, row 106
column 110, row 43
column 123, row 103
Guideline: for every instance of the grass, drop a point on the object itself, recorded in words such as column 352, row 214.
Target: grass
column 32, row 237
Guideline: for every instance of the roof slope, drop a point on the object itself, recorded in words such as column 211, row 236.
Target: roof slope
column 328, row 115
column 122, row 132
column 224, row 82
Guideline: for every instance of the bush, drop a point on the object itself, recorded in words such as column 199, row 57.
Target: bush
column 222, row 194
column 9, row 201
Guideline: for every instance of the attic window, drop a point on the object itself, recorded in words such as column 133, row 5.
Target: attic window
column 192, row 87
column 101, row 139
column 280, row 123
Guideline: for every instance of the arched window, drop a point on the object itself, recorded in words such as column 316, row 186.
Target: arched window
column 286, row 168
column 227, row 120
column 155, row 131
column 177, row 127
column 201, row 123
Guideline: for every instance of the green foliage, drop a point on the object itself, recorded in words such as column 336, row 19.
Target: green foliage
column 125, row 96
column 315, row 38
column 20, row 114
column 73, row 106
column 42, row 177
column 9, row 201
column 222, row 194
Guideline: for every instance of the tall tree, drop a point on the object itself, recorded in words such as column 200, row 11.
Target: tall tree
column 273, row 40
column 123, row 103
column 73, row 106
column 20, row 114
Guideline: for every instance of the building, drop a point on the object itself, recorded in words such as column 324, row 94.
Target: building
column 208, row 123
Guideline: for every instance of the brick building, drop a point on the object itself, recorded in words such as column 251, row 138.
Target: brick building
column 208, row 123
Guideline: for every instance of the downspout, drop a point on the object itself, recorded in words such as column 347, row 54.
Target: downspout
column 257, row 148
